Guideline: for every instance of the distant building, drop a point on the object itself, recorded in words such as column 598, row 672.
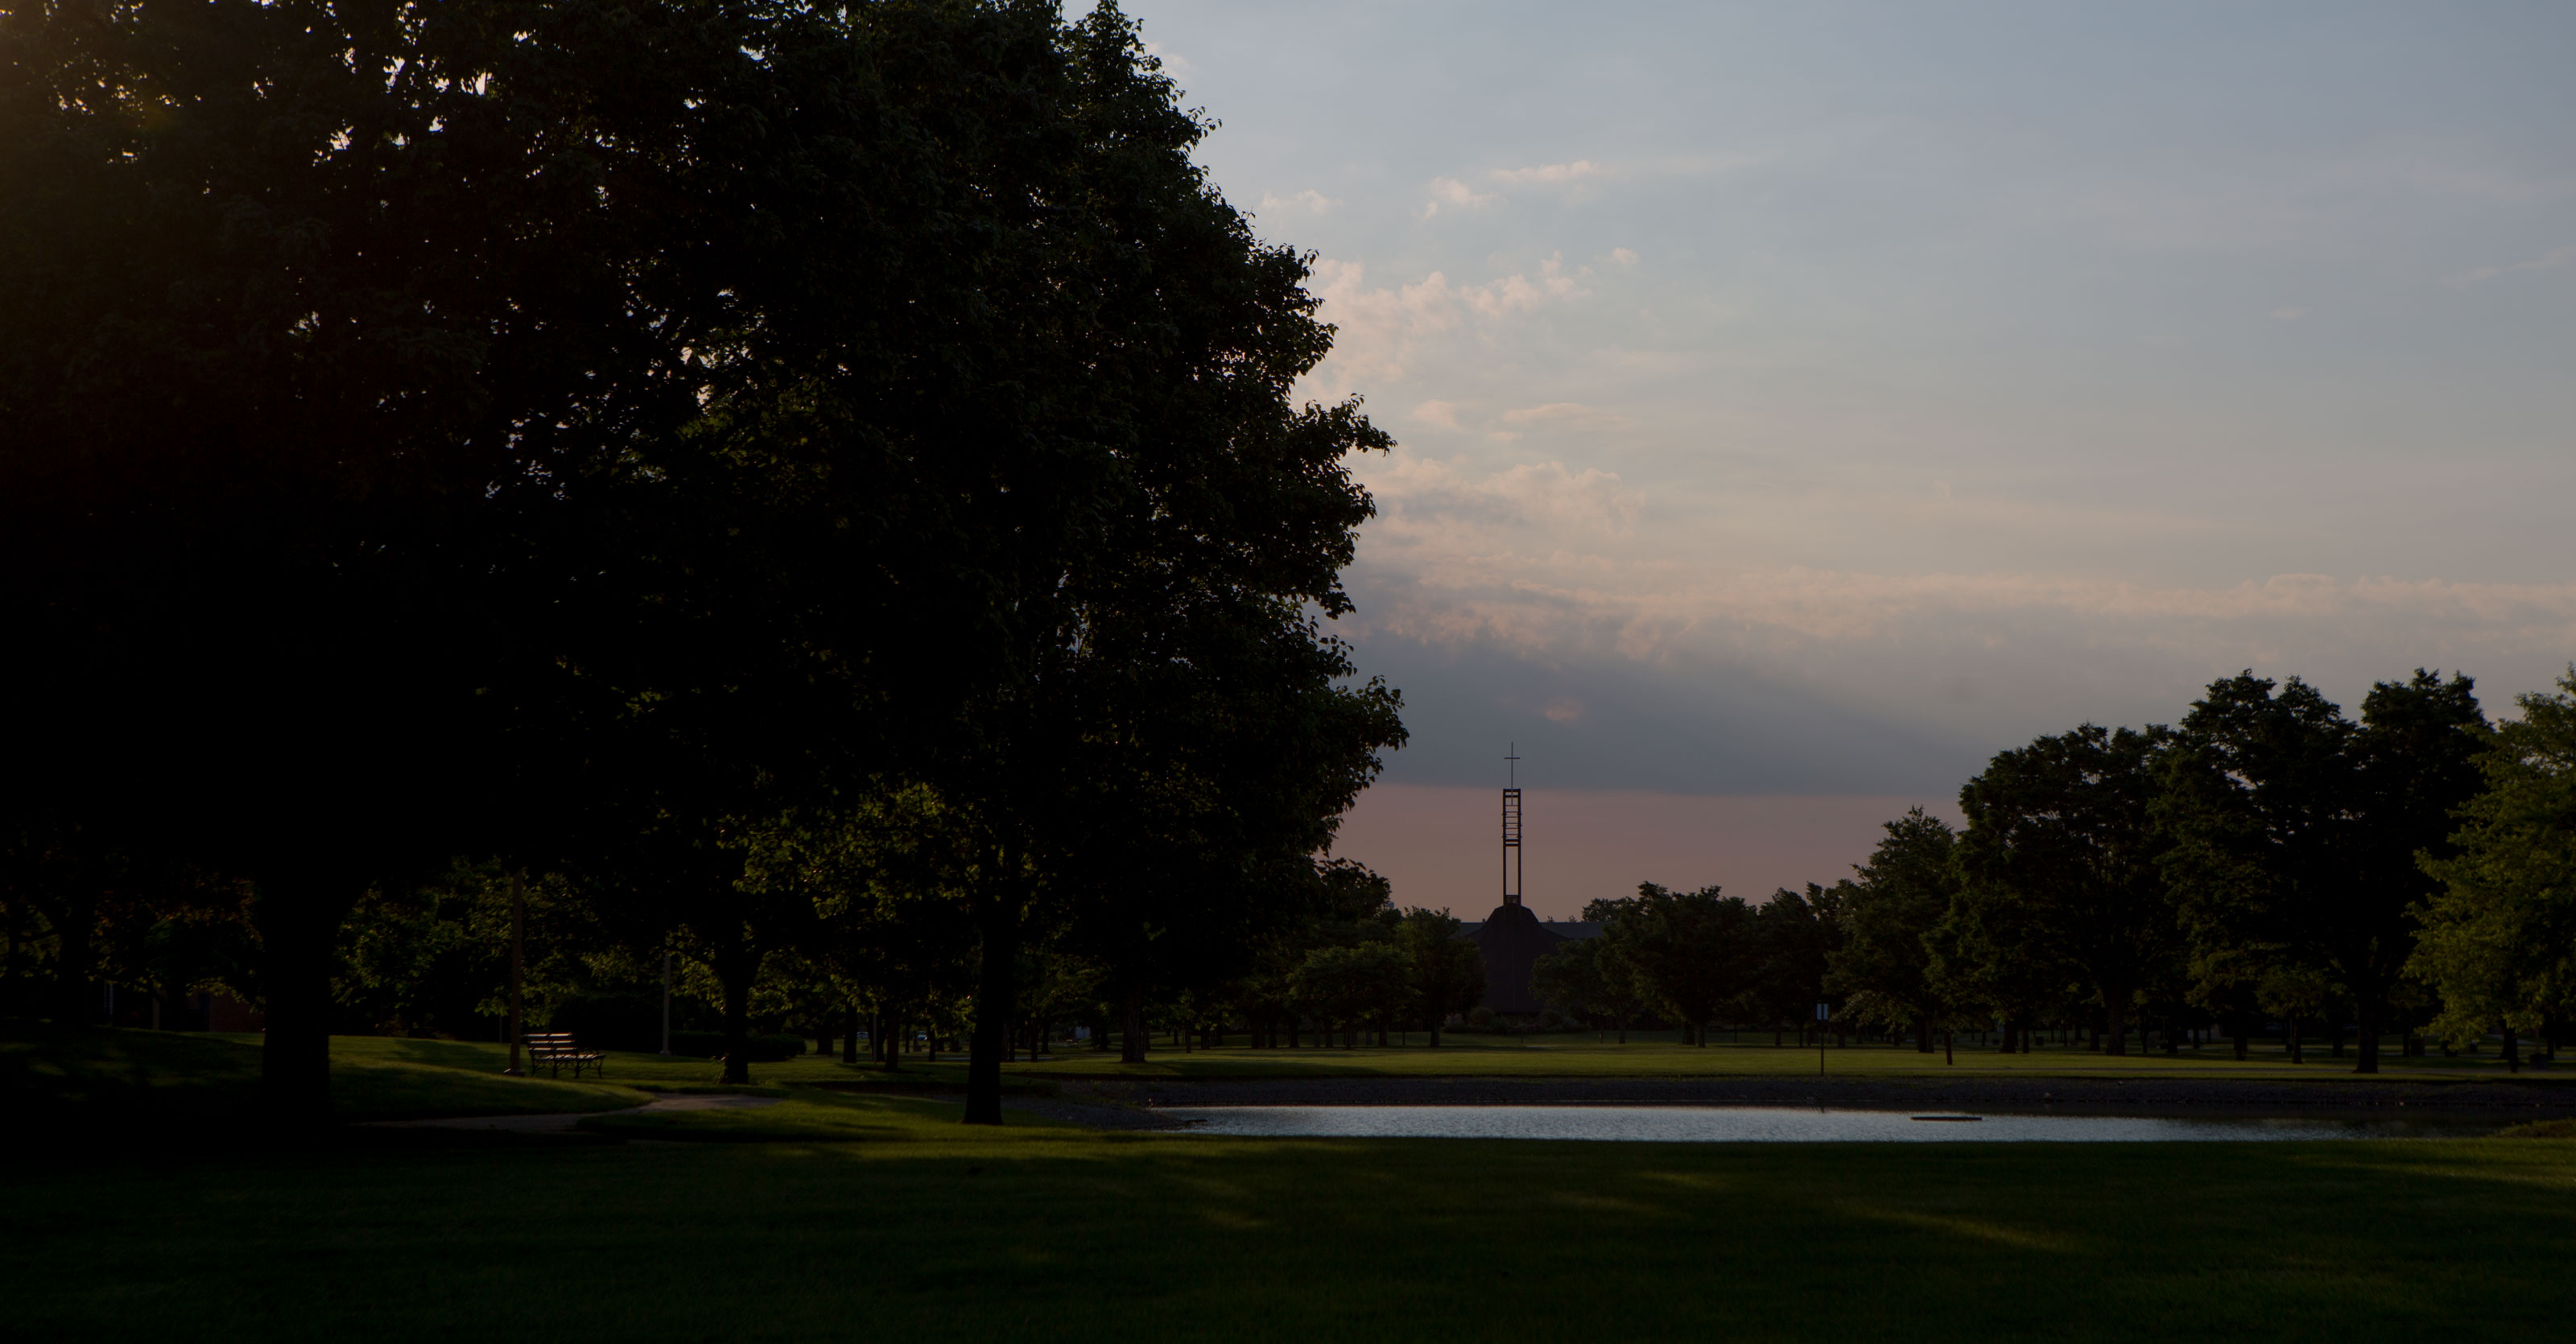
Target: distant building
column 1512, row 939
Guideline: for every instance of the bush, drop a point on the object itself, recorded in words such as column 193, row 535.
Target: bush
column 762, row 1049
column 697, row 1044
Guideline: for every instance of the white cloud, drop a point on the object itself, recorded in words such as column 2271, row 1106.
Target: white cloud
column 1545, row 174
column 1451, row 191
column 1173, row 62
column 1443, row 414
column 1309, row 199
column 2548, row 261
column 1566, row 414
column 1379, row 330
column 1623, row 256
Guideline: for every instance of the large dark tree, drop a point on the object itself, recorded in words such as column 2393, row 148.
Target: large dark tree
column 2499, row 942
column 1796, row 934
column 1691, row 954
column 700, row 410
column 2062, row 852
column 1896, row 900
column 2296, row 829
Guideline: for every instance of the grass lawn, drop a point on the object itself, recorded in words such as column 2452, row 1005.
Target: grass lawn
column 1568, row 1056
column 839, row 1214
column 879, row 1218
column 148, row 1077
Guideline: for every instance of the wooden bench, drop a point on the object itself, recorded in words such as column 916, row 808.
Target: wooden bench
column 555, row 1049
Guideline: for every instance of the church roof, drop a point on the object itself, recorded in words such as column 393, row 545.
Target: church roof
column 1577, row 929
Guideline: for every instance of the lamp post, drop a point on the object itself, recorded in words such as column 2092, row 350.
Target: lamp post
column 518, row 939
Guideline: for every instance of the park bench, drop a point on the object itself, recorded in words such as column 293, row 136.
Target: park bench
column 555, row 1049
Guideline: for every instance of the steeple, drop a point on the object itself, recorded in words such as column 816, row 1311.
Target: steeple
column 1511, row 826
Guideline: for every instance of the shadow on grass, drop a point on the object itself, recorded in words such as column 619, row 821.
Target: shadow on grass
column 470, row 1056
column 46, row 1066
column 1033, row 1233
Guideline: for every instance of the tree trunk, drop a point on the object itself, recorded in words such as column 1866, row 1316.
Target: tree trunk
column 2512, row 1052
column 736, row 967
column 850, row 1038
column 996, row 1008
column 75, row 994
column 890, row 1020
column 1131, row 1025
column 1923, row 1034
column 2236, row 1031
column 2115, row 1026
column 2368, row 1012
column 297, row 930
column 2297, row 1056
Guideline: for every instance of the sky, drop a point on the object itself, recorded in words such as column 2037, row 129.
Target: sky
column 1798, row 404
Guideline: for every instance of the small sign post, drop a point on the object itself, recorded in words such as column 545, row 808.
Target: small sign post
column 1824, row 1014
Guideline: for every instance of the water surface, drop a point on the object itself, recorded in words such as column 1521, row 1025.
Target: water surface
column 1779, row 1124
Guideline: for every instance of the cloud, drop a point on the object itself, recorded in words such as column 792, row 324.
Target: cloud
column 1581, row 580
column 1173, row 61
column 1566, row 414
column 2548, row 261
column 1443, row 414
column 1379, row 330
column 1309, row 199
column 1623, row 256
column 1547, row 174
column 1451, row 191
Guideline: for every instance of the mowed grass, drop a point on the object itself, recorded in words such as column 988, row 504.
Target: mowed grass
column 152, row 1077
column 890, row 1221
column 860, row 1214
column 1573, row 1056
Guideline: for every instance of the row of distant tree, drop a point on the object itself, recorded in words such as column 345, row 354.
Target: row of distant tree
column 2267, row 858
column 808, row 487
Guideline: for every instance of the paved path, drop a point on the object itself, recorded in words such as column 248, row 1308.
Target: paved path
column 562, row 1122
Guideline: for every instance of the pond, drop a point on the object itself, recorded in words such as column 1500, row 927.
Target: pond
column 1780, row 1124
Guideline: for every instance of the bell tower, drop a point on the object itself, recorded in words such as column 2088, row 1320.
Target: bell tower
column 1511, row 826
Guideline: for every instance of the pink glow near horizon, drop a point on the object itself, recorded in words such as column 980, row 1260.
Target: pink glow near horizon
column 1441, row 845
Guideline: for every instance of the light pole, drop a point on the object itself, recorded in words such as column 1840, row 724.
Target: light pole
column 518, row 938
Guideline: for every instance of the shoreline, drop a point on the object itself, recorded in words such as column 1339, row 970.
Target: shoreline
column 2064, row 1095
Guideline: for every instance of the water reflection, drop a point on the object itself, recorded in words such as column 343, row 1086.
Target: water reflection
column 1771, row 1124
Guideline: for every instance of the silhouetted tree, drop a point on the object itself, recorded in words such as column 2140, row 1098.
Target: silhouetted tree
column 1688, row 954
column 1447, row 973
column 1897, row 899
column 2061, row 853
column 2499, row 938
